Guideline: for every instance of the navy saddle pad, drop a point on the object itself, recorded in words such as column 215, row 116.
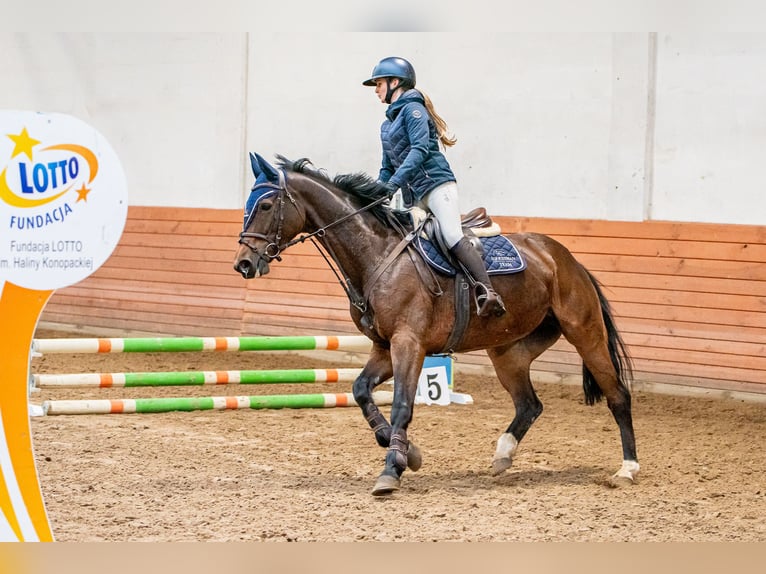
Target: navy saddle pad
column 500, row 256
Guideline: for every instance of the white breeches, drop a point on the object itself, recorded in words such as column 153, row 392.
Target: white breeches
column 443, row 203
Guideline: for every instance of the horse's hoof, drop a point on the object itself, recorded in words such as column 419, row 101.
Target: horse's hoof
column 385, row 485
column 500, row 465
column 414, row 457
column 618, row 481
column 626, row 476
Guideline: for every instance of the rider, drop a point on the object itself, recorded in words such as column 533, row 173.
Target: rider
column 412, row 160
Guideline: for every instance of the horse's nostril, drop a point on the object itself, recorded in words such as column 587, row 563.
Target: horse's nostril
column 245, row 268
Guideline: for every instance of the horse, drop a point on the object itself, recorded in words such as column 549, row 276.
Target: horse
column 408, row 311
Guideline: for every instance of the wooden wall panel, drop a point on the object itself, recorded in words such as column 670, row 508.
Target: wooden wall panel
column 171, row 273
column 689, row 298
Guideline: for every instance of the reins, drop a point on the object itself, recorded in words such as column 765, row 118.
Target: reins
column 273, row 248
column 321, row 231
column 282, row 191
column 360, row 302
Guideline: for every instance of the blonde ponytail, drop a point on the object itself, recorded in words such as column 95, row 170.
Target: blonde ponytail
column 445, row 138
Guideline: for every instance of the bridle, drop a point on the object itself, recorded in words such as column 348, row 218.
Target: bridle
column 274, row 247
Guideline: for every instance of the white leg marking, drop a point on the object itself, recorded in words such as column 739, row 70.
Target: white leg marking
column 506, row 446
column 629, row 470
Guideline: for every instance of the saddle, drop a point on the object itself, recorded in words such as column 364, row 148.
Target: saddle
column 500, row 256
column 480, row 223
column 498, row 252
column 477, row 221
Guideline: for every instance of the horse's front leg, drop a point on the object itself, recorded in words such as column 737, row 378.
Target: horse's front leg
column 378, row 370
column 407, row 358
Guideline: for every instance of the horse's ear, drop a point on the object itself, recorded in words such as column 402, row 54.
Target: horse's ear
column 269, row 170
column 254, row 165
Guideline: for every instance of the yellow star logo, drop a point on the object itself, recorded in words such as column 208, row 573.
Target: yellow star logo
column 24, row 143
column 82, row 193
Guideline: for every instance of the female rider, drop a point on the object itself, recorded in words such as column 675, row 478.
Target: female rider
column 412, row 161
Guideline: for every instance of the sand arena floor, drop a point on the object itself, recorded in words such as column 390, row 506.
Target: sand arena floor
column 306, row 475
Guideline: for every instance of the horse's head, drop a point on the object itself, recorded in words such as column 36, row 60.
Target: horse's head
column 271, row 217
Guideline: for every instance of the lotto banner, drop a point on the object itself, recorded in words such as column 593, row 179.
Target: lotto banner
column 63, row 205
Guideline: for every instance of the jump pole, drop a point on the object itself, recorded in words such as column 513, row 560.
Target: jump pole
column 164, row 405
column 190, row 378
column 193, row 344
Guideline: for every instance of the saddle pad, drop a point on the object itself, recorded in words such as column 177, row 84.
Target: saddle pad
column 500, row 256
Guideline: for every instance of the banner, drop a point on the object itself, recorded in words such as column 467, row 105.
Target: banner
column 63, row 206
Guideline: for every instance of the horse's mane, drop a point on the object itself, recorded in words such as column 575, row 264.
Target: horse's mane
column 358, row 184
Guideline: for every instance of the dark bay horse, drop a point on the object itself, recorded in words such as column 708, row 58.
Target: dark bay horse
column 408, row 316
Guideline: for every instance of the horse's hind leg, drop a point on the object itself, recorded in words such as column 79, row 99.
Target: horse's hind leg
column 377, row 370
column 598, row 369
column 586, row 321
column 511, row 365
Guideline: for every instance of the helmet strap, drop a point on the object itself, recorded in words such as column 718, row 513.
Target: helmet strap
column 389, row 91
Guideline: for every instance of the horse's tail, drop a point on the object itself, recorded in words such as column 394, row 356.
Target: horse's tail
column 617, row 352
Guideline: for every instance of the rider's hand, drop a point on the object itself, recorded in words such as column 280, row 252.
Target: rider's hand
column 391, row 189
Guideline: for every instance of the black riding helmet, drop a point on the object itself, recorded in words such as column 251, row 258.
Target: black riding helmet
column 392, row 67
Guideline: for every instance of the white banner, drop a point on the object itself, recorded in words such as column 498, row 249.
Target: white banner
column 63, row 199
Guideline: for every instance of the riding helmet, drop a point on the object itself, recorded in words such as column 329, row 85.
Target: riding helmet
column 393, row 67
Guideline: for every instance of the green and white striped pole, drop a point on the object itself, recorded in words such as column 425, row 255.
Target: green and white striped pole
column 195, row 344
column 190, row 378
column 164, row 405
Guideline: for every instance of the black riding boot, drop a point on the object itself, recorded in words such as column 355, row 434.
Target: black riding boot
column 488, row 300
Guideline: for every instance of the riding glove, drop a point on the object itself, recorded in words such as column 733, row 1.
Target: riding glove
column 391, row 189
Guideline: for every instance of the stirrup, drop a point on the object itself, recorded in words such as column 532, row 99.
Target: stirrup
column 488, row 302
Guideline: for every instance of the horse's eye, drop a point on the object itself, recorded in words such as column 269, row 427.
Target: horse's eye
column 266, row 206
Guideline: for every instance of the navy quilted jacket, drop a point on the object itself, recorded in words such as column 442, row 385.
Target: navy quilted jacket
column 411, row 156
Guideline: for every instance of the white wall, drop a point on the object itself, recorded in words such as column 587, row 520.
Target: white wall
column 533, row 114
column 553, row 125
column 710, row 144
column 170, row 105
